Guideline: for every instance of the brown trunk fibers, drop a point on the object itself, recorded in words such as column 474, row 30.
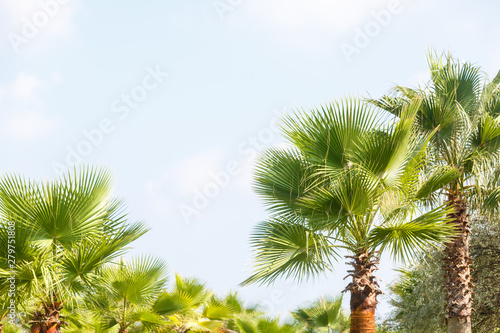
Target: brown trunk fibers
column 48, row 319
column 458, row 280
column 364, row 290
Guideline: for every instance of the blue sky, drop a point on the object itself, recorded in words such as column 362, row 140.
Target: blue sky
column 177, row 97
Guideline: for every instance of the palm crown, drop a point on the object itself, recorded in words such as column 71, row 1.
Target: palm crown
column 128, row 291
column 464, row 111
column 65, row 232
column 324, row 315
column 351, row 180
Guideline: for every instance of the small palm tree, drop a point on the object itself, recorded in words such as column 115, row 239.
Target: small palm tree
column 261, row 324
column 465, row 114
column 128, row 291
column 323, row 315
column 350, row 181
column 183, row 305
column 228, row 310
column 65, row 231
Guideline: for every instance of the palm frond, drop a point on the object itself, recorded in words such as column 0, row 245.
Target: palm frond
column 328, row 134
column 437, row 179
column 285, row 247
column 404, row 239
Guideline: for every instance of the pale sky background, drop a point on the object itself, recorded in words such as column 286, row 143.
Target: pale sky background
column 230, row 72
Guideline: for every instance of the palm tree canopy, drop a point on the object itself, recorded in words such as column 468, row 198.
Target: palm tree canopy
column 260, row 324
column 462, row 108
column 127, row 292
column 65, row 231
column 351, row 180
column 324, row 314
column 190, row 307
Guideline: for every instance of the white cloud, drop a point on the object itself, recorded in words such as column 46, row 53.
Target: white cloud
column 159, row 201
column 245, row 178
column 13, row 8
column 183, row 180
column 57, row 77
column 195, row 171
column 24, row 117
column 330, row 17
column 42, row 18
column 27, row 125
column 25, row 86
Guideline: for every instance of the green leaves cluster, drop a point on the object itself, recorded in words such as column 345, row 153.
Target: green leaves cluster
column 352, row 179
column 418, row 292
column 65, row 232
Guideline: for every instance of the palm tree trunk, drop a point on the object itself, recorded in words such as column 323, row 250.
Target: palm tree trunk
column 458, row 271
column 48, row 320
column 364, row 290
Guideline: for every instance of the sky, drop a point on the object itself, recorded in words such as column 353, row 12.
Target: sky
column 177, row 98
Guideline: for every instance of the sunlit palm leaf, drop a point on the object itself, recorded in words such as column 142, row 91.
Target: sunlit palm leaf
column 285, row 247
column 327, row 136
column 405, row 239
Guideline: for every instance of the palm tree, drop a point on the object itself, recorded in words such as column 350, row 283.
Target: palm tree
column 323, row 315
column 65, row 230
column 183, row 306
column 261, row 324
column 350, row 181
column 228, row 310
column 128, row 291
column 465, row 114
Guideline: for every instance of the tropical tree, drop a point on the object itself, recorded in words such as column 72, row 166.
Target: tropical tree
column 229, row 309
column 464, row 113
column 127, row 292
column 65, row 231
column 418, row 292
column 262, row 324
column 183, row 305
column 323, row 315
column 349, row 181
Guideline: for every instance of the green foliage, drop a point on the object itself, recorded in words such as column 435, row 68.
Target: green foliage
column 185, row 306
column 419, row 299
column 418, row 295
column 462, row 108
column 323, row 315
column 352, row 180
column 261, row 324
column 66, row 230
column 485, row 250
column 127, row 292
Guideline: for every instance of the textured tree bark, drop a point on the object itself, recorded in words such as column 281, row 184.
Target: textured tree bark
column 48, row 320
column 455, row 325
column 364, row 290
column 458, row 280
